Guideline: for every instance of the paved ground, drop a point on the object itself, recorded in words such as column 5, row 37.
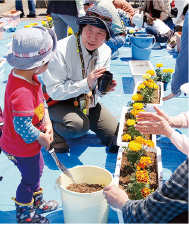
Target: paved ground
column 10, row 5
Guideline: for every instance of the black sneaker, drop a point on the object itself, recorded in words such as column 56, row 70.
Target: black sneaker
column 32, row 15
column 113, row 148
column 22, row 15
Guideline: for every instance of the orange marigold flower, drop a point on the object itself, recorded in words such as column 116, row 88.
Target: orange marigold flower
column 145, row 192
column 141, row 140
column 126, row 137
column 142, row 176
column 135, row 146
column 140, row 166
column 150, row 144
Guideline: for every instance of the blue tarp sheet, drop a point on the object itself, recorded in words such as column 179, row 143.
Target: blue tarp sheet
column 88, row 150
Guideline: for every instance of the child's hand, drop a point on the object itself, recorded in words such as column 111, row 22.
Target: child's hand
column 44, row 140
column 49, row 130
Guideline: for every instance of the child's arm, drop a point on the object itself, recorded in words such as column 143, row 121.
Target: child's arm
column 48, row 124
column 24, row 127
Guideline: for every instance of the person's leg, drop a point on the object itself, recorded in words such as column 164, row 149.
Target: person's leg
column 31, row 169
column 70, row 21
column 151, row 30
column 31, row 6
column 104, row 124
column 19, row 6
column 60, row 27
column 170, row 24
column 68, row 121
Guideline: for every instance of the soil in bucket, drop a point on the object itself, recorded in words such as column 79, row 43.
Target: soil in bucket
column 85, row 188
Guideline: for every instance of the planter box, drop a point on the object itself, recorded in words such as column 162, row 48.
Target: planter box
column 121, row 126
column 161, row 94
column 15, row 15
column 2, row 61
column 139, row 68
column 157, row 150
column 1, row 30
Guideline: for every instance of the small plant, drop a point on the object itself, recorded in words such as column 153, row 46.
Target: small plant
column 163, row 75
column 47, row 23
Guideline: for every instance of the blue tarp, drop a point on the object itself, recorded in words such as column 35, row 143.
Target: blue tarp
column 88, row 150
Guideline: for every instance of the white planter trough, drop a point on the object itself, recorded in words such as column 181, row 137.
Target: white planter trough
column 121, row 126
column 161, row 94
column 139, row 68
column 157, row 150
column 2, row 61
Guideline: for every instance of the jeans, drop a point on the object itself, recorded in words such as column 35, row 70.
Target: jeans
column 181, row 68
column 31, row 6
column 116, row 42
column 31, row 169
column 61, row 23
column 70, row 122
column 151, row 30
column 170, row 24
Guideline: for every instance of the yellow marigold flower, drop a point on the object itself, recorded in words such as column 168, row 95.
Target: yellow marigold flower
column 135, row 146
column 165, row 70
column 131, row 32
column 27, row 26
column 171, row 70
column 159, row 65
column 151, row 72
column 49, row 18
column 145, row 192
column 155, row 86
column 146, row 76
column 142, row 176
column 126, row 137
column 137, row 97
column 141, row 140
column 138, row 105
column 150, row 144
column 141, row 86
column 31, row 24
column 70, row 31
column 145, row 82
column 131, row 122
column 145, row 160
column 151, row 81
column 43, row 22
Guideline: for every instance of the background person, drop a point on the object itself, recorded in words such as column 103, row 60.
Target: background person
column 27, row 126
column 160, row 9
column 169, row 203
column 180, row 75
column 31, row 6
column 79, row 61
column 64, row 14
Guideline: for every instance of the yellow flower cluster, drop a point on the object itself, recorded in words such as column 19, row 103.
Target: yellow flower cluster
column 151, row 72
column 168, row 70
column 131, row 122
column 141, row 86
column 135, row 146
column 30, row 25
column 159, row 65
column 137, row 97
column 138, row 105
column 146, row 76
column 126, row 137
column 150, row 83
column 142, row 176
column 145, row 160
column 141, row 140
column 150, row 143
column 145, row 192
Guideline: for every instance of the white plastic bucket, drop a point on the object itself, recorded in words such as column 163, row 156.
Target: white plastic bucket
column 85, row 207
